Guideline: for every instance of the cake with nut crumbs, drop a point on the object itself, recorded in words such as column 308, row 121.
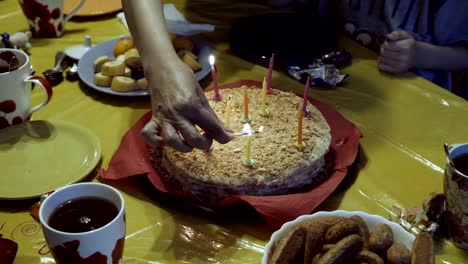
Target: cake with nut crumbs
column 279, row 167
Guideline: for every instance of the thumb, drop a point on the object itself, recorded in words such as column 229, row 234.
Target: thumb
column 398, row 35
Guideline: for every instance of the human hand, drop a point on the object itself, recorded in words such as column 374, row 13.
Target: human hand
column 179, row 106
column 397, row 54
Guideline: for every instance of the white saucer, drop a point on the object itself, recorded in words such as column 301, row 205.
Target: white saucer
column 77, row 51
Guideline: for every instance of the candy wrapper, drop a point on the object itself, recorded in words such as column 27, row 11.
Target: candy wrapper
column 339, row 59
column 323, row 72
column 431, row 217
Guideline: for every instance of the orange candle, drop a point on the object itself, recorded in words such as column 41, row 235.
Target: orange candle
column 299, row 144
column 246, row 118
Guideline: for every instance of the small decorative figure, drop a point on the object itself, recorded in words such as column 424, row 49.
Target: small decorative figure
column 20, row 40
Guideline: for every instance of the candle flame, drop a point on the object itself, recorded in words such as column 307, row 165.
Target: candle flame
column 247, row 130
column 211, row 59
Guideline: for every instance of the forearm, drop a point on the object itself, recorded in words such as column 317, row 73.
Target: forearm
column 146, row 22
column 449, row 58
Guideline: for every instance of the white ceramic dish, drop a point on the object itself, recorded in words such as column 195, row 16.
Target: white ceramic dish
column 86, row 68
column 399, row 233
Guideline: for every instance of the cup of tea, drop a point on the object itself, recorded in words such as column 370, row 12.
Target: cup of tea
column 15, row 88
column 84, row 223
column 456, row 191
column 46, row 18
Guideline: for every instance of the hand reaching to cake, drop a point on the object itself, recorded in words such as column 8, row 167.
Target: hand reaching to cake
column 179, row 106
column 179, row 109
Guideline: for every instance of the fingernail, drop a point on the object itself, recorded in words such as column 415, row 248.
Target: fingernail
column 208, row 150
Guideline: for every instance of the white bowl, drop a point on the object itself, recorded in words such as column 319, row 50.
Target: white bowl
column 399, row 233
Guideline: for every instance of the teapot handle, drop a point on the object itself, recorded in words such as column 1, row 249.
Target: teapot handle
column 72, row 13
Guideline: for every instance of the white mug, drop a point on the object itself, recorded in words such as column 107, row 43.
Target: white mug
column 456, row 191
column 15, row 89
column 101, row 245
column 46, row 18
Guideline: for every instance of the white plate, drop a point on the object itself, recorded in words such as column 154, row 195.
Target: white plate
column 40, row 156
column 400, row 235
column 86, row 68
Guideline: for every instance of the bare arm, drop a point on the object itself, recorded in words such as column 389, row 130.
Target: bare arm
column 402, row 52
column 178, row 102
column 148, row 27
column 450, row 58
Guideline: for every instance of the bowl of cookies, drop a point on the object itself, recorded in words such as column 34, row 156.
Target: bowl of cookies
column 342, row 237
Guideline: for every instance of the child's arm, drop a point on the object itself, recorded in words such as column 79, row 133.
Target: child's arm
column 401, row 52
column 450, row 58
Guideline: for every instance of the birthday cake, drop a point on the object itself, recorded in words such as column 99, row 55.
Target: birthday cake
column 277, row 163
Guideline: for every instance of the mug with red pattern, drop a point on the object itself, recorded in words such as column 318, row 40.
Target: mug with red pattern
column 84, row 223
column 46, row 18
column 15, row 88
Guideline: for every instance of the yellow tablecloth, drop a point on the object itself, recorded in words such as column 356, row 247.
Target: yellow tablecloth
column 405, row 120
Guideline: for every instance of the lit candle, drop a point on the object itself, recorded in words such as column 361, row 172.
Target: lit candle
column 270, row 71
column 217, row 96
column 263, row 111
column 227, row 112
column 248, row 161
column 306, row 97
column 299, row 144
column 246, row 118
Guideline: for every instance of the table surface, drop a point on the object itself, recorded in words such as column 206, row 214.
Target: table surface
column 404, row 119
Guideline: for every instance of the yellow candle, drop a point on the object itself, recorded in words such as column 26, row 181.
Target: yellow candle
column 227, row 113
column 299, row 144
column 263, row 111
column 248, row 161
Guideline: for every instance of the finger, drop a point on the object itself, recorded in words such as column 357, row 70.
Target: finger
column 204, row 102
column 150, row 133
column 172, row 138
column 392, row 46
column 192, row 136
column 393, row 61
column 397, row 35
column 210, row 110
column 388, row 68
column 385, row 52
column 399, row 64
column 212, row 127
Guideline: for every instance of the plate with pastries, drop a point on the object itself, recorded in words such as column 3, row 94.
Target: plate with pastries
column 346, row 237
column 115, row 67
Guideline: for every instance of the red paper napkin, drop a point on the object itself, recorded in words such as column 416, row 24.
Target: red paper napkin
column 132, row 158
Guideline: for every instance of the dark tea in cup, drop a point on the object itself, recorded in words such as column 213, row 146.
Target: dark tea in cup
column 84, row 223
column 8, row 61
column 83, row 215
